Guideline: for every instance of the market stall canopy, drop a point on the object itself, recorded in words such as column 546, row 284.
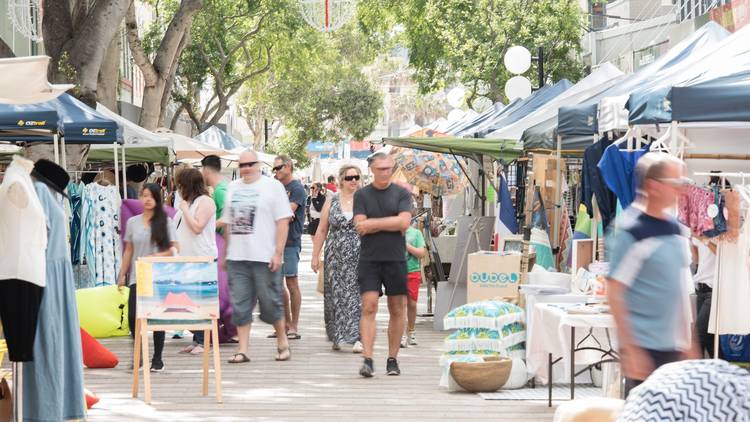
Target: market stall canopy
column 599, row 80
column 188, row 148
column 652, row 104
column 141, row 145
column 517, row 111
column 491, row 111
column 34, row 122
column 217, row 138
column 608, row 108
column 467, row 117
column 78, row 123
column 470, row 147
column 723, row 99
column 24, row 81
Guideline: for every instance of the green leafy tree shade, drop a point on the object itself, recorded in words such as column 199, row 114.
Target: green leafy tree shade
column 465, row 40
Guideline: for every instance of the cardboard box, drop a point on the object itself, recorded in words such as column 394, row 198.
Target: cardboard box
column 492, row 275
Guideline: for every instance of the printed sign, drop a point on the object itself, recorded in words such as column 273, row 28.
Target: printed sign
column 492, row 275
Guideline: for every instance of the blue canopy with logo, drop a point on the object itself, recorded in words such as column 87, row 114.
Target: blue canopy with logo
column 77, row 122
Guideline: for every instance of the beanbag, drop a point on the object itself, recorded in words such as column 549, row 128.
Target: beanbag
column 103, row 311
column 91, row 398
column 94, row 354
column 490, row 314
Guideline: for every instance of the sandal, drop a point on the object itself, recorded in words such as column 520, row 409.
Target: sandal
column 293, row 336
column 243, row 358
column 283, row 354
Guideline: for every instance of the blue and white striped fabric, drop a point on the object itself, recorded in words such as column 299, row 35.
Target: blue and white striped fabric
column 691, row 390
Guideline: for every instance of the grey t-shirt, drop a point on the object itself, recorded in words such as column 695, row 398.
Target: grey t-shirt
column 140, row 236
column 375, row 203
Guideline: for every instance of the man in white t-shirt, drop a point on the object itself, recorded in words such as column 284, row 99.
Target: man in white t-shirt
column 256, row 214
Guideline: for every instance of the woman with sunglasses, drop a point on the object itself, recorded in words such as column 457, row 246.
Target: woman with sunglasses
column 341, row 297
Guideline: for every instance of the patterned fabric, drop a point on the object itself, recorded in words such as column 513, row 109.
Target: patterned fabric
column 469, row 339
column 341, row 298
column 491, row 314
column 74, row 193
column 693, row 208
column 692, row 390
column 100, row 233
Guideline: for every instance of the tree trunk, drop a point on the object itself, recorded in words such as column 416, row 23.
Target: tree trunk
column 5, row 50
column 109, row 75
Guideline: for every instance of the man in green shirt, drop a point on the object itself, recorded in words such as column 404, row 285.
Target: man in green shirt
column 212, row 174
column 415, row 251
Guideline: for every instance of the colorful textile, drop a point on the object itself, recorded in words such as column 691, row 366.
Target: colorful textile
column 506, row 222
column 693, row 209
column 100, row 233
column 720, row 222
column 618, row 170
column 542, row 247
column 468, row 339
column 490, row 314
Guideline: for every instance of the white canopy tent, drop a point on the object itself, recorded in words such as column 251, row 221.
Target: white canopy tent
column 25, row 81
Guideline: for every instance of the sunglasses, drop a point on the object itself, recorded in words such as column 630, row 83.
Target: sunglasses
column 277, row 168
column 248, row 164
column 350, row 178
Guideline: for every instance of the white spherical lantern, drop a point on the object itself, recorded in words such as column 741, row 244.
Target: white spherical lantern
column 517, row 60
column 456, row 96
column 518, row 376
column 517, row 87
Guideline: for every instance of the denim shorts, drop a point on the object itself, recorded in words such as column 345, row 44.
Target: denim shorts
column 291, row 261
column 251, row 281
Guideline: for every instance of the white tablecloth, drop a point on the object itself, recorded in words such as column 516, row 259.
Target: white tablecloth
column 548, row 331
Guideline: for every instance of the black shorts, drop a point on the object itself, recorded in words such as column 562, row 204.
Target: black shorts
column 374, row 275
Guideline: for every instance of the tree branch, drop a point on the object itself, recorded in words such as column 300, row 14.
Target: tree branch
column 170, row 44
column 136, row 48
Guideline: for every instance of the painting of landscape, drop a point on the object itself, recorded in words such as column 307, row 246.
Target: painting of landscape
column 180, row 291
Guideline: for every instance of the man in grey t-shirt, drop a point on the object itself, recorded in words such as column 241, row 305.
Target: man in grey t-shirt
column 382, row 213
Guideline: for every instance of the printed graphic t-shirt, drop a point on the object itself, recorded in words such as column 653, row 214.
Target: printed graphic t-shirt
column 251, row 211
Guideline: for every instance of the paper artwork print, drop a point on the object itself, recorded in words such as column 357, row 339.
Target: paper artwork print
column 178, row 291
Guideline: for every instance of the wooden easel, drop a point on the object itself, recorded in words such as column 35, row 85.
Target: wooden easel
column 142, row 328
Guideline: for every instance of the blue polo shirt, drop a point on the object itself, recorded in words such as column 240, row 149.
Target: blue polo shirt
column 651, row 256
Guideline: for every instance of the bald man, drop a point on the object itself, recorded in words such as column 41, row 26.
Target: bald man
column 256, row 214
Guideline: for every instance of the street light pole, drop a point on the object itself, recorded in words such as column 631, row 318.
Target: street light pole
column 540, row 67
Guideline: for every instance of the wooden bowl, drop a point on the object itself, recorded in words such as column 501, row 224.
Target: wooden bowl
column 481, row 377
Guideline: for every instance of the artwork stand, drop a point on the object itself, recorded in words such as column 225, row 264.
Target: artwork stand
column 211, row 334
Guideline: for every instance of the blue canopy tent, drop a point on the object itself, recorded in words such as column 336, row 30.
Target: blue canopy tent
column 723, row 99
column 36, row 122
column 483, row 117
column 217, row 138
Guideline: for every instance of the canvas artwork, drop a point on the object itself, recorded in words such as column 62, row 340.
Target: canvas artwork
column 177, row 289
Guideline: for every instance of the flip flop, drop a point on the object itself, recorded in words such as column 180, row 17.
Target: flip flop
column 281, row 351
column 271, row 335
column 293, row 336
column 243, row 360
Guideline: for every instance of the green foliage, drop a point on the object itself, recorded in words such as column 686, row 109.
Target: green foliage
column 465, row 40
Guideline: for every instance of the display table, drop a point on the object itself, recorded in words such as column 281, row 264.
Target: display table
column 554, row 335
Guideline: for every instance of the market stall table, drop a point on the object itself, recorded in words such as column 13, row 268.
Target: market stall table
column 552, row 333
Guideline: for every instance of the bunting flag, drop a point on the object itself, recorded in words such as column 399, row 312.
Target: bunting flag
column 538, row 213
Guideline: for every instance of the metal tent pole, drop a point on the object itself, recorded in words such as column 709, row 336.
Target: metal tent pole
column 117, row 169
column 124, row 179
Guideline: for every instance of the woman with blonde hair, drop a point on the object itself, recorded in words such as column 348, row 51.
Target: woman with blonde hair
column 341, row 297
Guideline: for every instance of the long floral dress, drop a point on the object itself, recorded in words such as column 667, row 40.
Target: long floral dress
column 342, row 302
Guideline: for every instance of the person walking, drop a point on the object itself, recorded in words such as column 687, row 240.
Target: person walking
column 211, row 170
column 149, row 234
column 342, row 303
column 256, row 215
column 317, row 201
column 196, row 229
column 415, row 251
column 649, row 275
column 331, row 185
column 382, row 213
column 283, row 169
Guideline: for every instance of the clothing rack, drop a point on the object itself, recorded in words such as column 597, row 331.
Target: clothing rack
column 717, row 285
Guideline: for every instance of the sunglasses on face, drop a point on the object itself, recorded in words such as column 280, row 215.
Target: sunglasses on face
column 350, row 178
column 248, row 164
column 277, row 168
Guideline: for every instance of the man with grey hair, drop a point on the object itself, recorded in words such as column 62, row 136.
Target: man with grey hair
column 649, row 276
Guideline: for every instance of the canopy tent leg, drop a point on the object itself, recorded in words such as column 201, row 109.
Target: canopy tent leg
column 63, row 154
column 56, row 149
column 117, row 168
column 558, row 194
column 124, row 179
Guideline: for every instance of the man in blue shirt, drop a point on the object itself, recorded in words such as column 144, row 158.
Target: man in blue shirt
column 283, row 169
column 649, row 273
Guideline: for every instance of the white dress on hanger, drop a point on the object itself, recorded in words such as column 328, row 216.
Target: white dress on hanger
column 733, row 285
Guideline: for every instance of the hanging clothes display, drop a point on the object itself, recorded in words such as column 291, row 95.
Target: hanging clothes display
column 734, row 280
column 618, row 170
column 100, row 232
column 719, row 220
column 593, row 184
column 22, row 270
column 693, row 208
column 53, row 382
column 732, row 202
column 75, row 191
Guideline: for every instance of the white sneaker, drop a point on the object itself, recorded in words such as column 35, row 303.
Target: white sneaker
column 358, row 347
column 404, row 342
column 412, row 338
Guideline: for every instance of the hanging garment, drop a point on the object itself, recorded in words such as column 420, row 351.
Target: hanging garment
column 593, row 184
column 732, row 202
column 618, row 170
column 101, row 232
column 693, row 206
column 53, row 382
column 540, row 242
column 507, row 222
column 730, row 300
column 74, row 194
column 720, row 222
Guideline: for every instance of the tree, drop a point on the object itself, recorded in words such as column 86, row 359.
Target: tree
column 77, row 34
column 159, row 73
column 465, row 40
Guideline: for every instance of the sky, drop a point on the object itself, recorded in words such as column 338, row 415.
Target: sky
column 186, row 272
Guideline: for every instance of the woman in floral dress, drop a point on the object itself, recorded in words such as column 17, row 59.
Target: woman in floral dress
column 342, row 302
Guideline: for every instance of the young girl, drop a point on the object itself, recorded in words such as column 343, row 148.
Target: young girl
column 149, row 234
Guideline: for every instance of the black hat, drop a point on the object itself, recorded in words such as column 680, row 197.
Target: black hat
column 51, row 175
column 136, row 173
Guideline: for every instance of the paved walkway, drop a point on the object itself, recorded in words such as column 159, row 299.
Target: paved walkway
column 317, row 384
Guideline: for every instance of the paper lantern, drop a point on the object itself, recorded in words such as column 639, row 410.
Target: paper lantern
column 327, row 15
column 517, row 87
column 517, row 60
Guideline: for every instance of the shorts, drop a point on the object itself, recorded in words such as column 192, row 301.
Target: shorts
column 291, row 261
column 312, row 226
column 251, row 281
column 372, row 276
column 413, row 281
